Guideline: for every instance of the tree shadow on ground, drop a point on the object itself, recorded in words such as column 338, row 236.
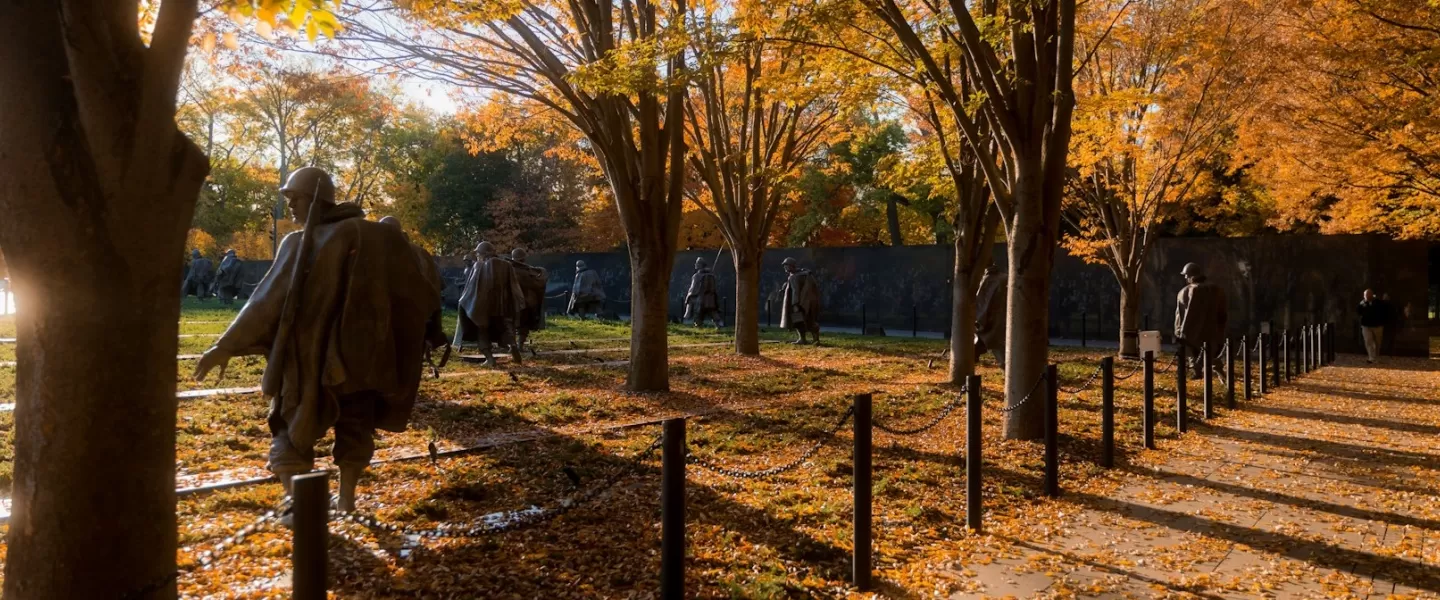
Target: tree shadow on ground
column 1384, row 456
column 1346, row 419
column 1320, row 554
column 1352, row 512
column 609, row 546
column 1311, row 387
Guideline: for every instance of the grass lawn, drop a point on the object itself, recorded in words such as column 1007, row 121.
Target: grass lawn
column 786, row 536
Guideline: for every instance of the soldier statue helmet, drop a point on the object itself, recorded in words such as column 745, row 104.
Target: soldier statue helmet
column 789, row 265
column 579, row 265
column 1191, row 270
column 485, row 250
column 390, row 220
column 519, row 255
column 305, row 185
column 700, row 263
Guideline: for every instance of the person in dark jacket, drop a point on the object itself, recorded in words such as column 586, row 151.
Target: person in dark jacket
column 1201, row 317
column 1374, row 315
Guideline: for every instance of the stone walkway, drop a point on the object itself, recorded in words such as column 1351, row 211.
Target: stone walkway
column 1326, row 488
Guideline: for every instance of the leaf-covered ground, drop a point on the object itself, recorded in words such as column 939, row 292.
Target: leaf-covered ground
column 781, row 537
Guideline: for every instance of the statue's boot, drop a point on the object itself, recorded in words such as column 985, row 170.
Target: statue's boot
column 285, row 476
column 349, row 480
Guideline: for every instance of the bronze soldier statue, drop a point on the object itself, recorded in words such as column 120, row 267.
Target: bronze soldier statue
column 800, row 307
column 587, row 296
column 341, row 315
column 1200, row 318
column 434, row 326
column 532, row 284
column 197, row 281
column 490, row 304
column 227, row 278
column 702, row 301
column 990, row 313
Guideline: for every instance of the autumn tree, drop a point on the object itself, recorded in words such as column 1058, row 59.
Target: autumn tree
column 1161, row 88
column 1351, row 138
column 615, row 71
column 97, row 185
column 918, row 46
column 1002, row 72
column 757, row 109
column 311, row 118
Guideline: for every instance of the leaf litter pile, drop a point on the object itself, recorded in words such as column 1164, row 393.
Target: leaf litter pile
column 562, row 429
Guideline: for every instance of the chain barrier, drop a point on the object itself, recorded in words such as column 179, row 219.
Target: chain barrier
column 1083, row 386
column 1174, row 358
column 776, row 470
column 559, row 295
column 1139, row 366
column 945, row 412
column 508, row 520
column 205, row 559
column 1028, row 395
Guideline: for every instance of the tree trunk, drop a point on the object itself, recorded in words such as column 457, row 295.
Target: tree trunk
column 94, row 430
column 972, row 253
column 1027, row 341
column 747, row 300
column 649, row 320
column 892, row 220
column 1129, row 318
column 97, row 189
column 962, row 318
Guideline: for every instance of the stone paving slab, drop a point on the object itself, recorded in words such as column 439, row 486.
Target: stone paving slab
column 1317, row 491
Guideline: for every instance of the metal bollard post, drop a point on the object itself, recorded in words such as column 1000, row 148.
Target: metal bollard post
column 1317, row 355
column 1207, row 388
column 1148, row 417
column 309, row 558
column 1305, row 350
column 1264, row 374
column 863, row 506
column 914, row 321
column 1107, row 412
column 768, row 304
column 1230, row 374
column 973, row 436
column 1245, row 354
column 1052, row 431
column 1181, row 373
column 864, row 327
column 672, row 511
column 1284, row 358
column 1084, row 329
column 1274, row 347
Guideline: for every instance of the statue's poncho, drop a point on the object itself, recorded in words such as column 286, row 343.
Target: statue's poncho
column 990, row 301
column 586, row 289
column 703, row 295
column 532, row 284
column 359, row 324
column 1201, row 315
column 229, row 273
column 801, row 301
column 492, row 292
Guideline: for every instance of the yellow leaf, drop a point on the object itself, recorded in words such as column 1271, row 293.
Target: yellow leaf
column 207, row 43
column 297, row 14
column 230, row 41
column 265, row 29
